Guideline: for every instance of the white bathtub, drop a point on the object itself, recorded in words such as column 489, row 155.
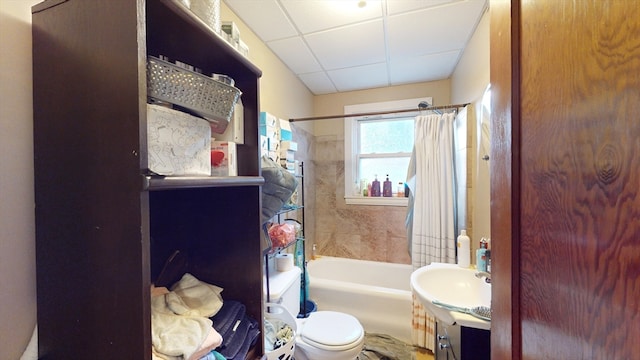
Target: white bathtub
column 377, row 293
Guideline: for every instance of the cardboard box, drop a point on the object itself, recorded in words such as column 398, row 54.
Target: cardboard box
column 177, row 143
column 264, row 144
column 268, row 119
column 224, row 158
column 285, row 130
column 231, row 28
column 275, row 156
column 287, row 145
column 235, row 130
column 287, row 155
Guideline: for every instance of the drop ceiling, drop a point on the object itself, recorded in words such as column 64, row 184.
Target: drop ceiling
column 344, row 45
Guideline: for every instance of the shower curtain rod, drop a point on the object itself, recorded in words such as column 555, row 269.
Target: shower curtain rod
column 420, row 107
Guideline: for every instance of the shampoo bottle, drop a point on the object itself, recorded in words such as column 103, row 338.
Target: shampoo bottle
column 481, row 256
column 375, row 187
column 387, row 188
column 464, row 249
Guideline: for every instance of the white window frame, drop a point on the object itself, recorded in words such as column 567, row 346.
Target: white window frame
column 351, row 146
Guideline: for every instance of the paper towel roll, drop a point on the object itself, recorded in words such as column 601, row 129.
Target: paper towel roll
column 284, row 262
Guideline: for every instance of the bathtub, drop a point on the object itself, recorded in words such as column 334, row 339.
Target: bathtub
column 377, row 293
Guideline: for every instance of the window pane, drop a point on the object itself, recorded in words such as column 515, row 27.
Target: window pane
column 395, row 167
column 386, row 136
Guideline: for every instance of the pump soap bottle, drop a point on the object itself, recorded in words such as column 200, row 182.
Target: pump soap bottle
column 464, row 250
column 387, row 188
column 375, row 187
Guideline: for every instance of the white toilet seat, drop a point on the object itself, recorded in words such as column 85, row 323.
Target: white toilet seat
column 332, row 331
column 329, row 335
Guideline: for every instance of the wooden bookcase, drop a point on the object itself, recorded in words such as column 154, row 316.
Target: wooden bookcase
column 104, row 228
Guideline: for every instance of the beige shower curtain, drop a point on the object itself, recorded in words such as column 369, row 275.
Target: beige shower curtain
column 431, row 214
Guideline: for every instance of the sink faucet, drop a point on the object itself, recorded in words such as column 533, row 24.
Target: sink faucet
column 485, row 275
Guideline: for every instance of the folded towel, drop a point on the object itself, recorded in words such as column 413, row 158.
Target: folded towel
column 192, row 297
column 179, row 319
column 178, row 335
column 226, row 318
column 249, row 340
column 237, row 343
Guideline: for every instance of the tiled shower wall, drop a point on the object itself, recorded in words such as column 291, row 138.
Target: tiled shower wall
column 354, row 231
column 364, row 232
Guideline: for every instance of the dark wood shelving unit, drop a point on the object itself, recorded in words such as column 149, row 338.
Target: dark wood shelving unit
column 104, row 229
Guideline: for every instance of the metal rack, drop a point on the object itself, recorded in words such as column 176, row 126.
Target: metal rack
column 270, row 251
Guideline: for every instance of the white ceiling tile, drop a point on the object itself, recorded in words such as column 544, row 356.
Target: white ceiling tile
column 295, row 54
column 423, row 68
column 264, row 17
column 314, row 15
column 360, row 77
column 433, row 30
column 349, row 46
column 400, row 6
column 318, row 83
column 423, row 41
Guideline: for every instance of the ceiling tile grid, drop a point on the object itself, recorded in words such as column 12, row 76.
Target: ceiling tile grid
column 345, row 45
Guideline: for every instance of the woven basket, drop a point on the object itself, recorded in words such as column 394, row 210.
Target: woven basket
column 206, row 97
column 285, row 352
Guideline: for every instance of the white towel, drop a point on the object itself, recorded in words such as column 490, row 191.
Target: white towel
column 179, row 318
column 192, row 297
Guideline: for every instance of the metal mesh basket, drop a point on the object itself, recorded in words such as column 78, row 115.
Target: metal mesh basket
column 206, row 97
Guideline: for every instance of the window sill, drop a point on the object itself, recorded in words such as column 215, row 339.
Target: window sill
column 379, row 201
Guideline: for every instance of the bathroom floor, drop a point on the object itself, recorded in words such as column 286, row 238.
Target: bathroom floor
column 385, row 347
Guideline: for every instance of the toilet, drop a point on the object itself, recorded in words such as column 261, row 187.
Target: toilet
column 323, row 335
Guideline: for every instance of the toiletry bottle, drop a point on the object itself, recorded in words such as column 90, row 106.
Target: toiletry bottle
column 387, row 188
column 400, row 190
column 487, row 256
column 481, row 260
column 406, row 190
column 375, row 187
column 464, row 249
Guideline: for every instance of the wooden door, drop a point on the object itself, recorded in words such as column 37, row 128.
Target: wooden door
column 566, row 179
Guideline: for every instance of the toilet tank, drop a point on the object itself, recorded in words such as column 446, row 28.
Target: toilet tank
column 284, row 288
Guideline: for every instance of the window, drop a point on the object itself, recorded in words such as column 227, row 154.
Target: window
column 378, row 146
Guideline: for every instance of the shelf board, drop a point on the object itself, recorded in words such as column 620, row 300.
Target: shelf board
column 186, row 182
column 181, row 10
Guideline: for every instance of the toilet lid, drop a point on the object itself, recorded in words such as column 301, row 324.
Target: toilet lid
column 330, row 329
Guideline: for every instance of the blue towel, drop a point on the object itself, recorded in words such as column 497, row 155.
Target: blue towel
column 227, row 316
column 249, row 340
column 239, row 339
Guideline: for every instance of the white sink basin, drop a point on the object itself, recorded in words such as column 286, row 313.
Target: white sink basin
column 452, row 285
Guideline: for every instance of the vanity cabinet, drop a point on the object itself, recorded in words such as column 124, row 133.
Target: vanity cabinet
column 105, row 226
column 456, row 342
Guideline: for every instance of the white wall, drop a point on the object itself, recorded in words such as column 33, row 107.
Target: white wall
column 281, row 93
column 17, row 219
column 471, row 75
column 468, row 84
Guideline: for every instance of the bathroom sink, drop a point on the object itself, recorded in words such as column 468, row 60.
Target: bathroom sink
column 452, row 285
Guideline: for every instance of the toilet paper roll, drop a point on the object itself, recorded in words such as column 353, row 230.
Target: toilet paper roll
column 284, row 262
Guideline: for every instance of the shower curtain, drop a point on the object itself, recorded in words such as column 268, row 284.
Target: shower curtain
column 431, row 212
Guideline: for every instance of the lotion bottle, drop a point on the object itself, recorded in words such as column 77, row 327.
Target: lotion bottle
column 464, row 250
column 375, row 187
column 387, row 188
